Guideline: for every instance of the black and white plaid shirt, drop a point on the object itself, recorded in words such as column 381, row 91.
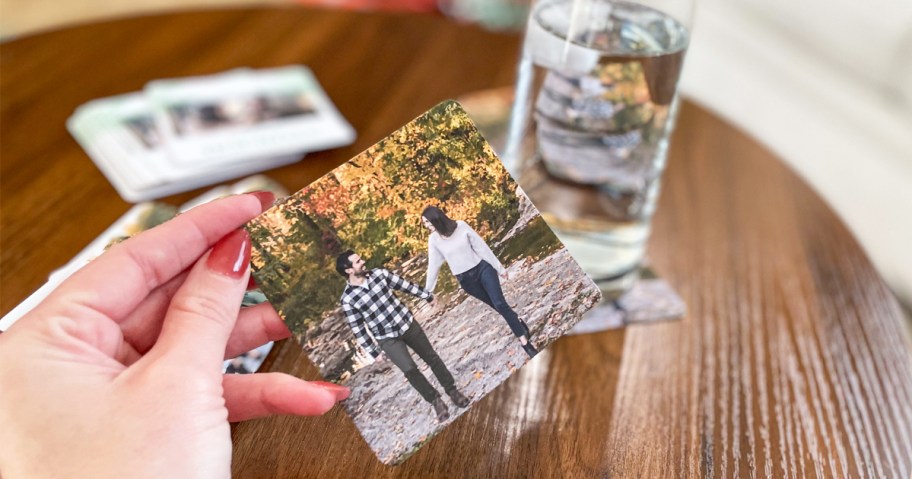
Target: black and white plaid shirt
column 374, row 306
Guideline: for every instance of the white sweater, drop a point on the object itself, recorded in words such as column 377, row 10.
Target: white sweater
column 462, row 250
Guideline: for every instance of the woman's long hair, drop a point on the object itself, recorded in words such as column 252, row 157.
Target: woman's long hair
column 442, row 223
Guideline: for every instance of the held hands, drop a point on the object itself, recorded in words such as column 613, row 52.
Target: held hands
column 434, row 305
column 118, row 371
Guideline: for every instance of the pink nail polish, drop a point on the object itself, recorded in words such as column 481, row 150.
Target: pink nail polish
column 341, row 392
column 231, row 255
column 267, row 198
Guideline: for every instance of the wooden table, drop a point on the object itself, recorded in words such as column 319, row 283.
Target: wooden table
column 791, row 359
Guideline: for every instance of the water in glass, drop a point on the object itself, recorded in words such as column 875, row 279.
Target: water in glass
column 596, row 101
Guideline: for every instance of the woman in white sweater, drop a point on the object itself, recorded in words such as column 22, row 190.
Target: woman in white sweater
column 474, row 265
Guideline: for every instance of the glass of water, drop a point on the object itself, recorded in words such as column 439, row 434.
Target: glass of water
column 596, row 98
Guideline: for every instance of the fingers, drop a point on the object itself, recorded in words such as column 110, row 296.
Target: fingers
column 248, row 396
column 143, row 325
column 204, row 310
column 152, row 258
column 256, row 325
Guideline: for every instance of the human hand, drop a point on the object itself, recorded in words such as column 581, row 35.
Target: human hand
column 118, row 372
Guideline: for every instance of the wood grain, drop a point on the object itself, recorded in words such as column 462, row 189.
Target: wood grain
column 790, row 363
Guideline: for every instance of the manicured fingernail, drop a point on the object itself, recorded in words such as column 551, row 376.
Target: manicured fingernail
column 251, row 283
column 341, row 392
column 267, row 198
column 231, row 255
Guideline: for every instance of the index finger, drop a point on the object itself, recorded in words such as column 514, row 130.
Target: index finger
column 118, row 280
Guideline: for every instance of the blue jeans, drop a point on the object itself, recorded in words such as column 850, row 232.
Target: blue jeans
column 482, row 282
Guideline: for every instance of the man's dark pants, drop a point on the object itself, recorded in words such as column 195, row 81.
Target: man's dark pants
column 414, row 337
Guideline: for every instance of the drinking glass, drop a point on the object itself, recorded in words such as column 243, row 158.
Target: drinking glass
column 596, row 98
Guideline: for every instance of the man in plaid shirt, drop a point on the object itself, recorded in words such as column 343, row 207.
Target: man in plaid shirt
column 375, row 314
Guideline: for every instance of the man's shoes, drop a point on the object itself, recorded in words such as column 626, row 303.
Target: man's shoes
column 440, row 408
column 458, row 398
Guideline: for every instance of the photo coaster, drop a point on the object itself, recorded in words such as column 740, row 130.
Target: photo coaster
column 650, row 299
column 413, row 274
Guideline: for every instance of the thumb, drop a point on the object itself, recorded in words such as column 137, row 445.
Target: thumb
column 203, row 311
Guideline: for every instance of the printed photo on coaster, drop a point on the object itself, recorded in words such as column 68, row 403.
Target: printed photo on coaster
column 419, row 275
column 242, row 114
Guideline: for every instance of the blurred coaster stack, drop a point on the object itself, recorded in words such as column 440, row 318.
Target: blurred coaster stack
column 181, row 134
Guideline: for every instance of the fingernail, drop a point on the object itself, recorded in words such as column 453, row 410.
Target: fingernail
column 231, row 255
column 251, row 283
column 267, row 198
column 341, row 392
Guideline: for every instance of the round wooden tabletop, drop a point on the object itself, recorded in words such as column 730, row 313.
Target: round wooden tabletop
column 790, row 361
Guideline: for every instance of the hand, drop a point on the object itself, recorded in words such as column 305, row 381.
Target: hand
column 118, row 372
